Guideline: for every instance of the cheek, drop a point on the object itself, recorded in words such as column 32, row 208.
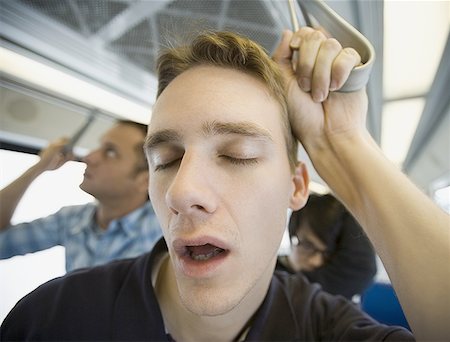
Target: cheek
column 297, row 254
column 263, row 204
column 157, row 191
column 272, row 208
column 114, row 169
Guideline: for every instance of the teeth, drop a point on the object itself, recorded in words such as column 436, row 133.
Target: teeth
column 203, row 257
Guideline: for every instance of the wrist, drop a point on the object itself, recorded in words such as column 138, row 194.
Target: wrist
column 340, row 158
column 37, row 169
column 337, row 147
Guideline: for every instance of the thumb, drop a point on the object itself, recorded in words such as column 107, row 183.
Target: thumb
column 283, row 53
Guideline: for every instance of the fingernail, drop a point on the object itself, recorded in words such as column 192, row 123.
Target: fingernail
column 318, row 96
column 305, row 84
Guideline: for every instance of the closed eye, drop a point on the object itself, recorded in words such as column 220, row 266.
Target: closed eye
column 240, row 161
column 165, row 166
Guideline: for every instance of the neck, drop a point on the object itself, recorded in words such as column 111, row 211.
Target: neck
column 186, row 326
column 113, row 210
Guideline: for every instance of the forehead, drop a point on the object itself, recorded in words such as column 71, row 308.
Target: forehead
column 208, row 93
column 123, row 135
column 306, row 232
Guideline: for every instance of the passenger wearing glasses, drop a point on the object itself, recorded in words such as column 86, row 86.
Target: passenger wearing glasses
column 329, row 247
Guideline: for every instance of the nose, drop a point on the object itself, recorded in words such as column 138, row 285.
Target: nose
column 316, row 260
column 91, row 158
column 191, row 191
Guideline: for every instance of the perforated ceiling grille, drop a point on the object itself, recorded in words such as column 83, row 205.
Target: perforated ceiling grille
column 135, row 30
column 84, row 16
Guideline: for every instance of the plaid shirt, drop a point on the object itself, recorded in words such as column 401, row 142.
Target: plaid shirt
column 86, row 244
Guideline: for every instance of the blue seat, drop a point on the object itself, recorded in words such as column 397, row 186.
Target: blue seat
column 381, row 302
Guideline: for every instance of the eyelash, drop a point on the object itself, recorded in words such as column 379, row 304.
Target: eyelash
column 240, row 161
column 232, row 160
column 165, row 166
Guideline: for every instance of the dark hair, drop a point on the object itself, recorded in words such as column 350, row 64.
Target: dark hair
column 229, row 50
column 142, row 164
column 325, row 216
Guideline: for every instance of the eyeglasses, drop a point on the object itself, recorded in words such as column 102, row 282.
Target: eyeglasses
column 307, row 247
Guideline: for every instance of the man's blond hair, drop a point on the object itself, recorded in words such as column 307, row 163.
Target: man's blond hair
column 228, row 50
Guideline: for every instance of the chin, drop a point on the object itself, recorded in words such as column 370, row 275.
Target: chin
column 83, row 187
column 86, row 189
column 308, row 268
column 210, row 302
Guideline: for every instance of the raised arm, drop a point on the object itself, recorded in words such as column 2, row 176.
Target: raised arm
column 410, row 233
column 51, row 158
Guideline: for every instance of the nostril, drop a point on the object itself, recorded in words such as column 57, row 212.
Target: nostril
column 197, row 206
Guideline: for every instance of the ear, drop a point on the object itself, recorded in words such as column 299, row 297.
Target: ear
column 300, row 180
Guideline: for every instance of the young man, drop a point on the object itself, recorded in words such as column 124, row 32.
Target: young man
column 329, row 247
column 121, row 224
column 223, row 173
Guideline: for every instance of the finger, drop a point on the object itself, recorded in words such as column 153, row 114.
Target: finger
column 57, row 144
column 321, row 79
column 309, row 48
column 283, row 53
column 324, row 31
column 60, row 140
column 68, row 156
column 342, row 66
column 295, row 43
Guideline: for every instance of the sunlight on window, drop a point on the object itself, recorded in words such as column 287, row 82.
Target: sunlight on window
column 48, row 193
column 442, row 198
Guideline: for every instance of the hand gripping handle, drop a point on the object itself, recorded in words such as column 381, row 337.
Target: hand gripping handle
column 345, row 33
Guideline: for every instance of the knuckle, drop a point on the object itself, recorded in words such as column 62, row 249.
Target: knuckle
column 332, row 44
column 351, row 53
column 317, row 35
column 305, row 30
column 340, row 69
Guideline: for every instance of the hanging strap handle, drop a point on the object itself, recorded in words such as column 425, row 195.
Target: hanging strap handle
column 345, row 33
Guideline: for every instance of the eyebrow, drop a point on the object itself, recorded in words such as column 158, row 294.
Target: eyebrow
column 160, row 137
column 244, row 128
column 212, row 128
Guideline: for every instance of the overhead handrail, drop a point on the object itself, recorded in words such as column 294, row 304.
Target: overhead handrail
column 68, row 148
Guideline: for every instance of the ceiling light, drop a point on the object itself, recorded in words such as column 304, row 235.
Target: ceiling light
column 55, row 81
column 415, row 33
column 400, row 119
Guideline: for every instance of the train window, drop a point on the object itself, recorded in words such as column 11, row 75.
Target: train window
column 22, row 274
column 442, row 197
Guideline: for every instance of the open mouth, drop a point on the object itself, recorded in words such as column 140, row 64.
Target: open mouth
column 203, row 252
column 201, row 257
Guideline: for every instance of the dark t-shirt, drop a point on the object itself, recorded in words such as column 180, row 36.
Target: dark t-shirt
column 117, row 302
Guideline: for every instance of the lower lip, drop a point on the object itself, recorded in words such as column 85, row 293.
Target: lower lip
column 201, row 269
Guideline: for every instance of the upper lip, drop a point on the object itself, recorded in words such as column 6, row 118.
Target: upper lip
column 180, row 244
